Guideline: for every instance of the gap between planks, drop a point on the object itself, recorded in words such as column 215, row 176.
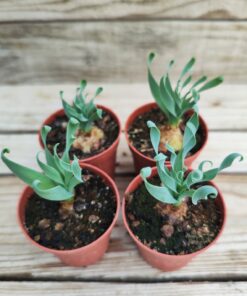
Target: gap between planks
column 24, row 147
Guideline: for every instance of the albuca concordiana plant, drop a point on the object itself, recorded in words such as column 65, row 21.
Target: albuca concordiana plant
column 176, row 184
column 85, row 112
column 88, row 134
column 175, row 101
column 59, row 176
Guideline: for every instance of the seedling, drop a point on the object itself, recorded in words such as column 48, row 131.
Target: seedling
column 177, row 183
column 175, row 101
column 88, row 134
column 85, row 112
column 59, row 176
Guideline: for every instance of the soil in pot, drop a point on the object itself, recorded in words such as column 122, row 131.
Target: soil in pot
column 104, row 133
column 169, row 229
column 71, row 225
column 139, row 133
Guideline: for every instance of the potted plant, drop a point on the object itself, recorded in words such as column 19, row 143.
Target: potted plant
column 98, row 134
column 172, row 108
column 174, row 214
column 69, row 209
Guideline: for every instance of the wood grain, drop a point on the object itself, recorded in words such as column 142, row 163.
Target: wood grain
column 226, row 260
column 47, row 10
column 24, row 147
column 104, row 51
column 118, row 289
column 25, row 270
column 23, row 108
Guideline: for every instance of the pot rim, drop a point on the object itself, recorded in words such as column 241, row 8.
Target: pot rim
column 109, row 181
column 49, row 119
column 134, row 184
column 138, row 110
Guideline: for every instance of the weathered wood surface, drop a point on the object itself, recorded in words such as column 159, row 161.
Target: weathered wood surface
column 44, row 10
column 24, row 147
column 23, row 108
column 25, row 270
column 226, row 260
column 50, row 52
column 118, row 289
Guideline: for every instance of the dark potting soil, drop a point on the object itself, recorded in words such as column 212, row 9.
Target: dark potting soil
column 78, row 224
column 169, row 229
column 58, row 135
column 139, row 134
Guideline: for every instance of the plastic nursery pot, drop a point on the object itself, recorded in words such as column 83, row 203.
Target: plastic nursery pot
column 140, row 160
column 105, row 160
column 83, row 256
column 163, row 261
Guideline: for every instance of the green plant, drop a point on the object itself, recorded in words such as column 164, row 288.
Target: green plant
column 177, row 183
column 59, row 176
column 85, row 112
column 175, row 101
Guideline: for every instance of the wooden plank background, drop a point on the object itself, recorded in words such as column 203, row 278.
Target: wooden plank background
column 48, row 10
column 54, row 44
column 64, row 41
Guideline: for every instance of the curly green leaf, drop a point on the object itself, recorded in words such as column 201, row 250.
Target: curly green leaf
column 26, row 174
column 160, row 193
column 57, row 193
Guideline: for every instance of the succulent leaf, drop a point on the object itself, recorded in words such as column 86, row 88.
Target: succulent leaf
column 154, row 135
column 187, row 68
column 25, row 174
column 227, row 162
column 161, row 193
column 168, row 100
column 154, row 87
column 194, row 177
column 189, row 139
column 70, row 137
column 212, row 83
column 56, row 193
column 76, row 170
column 44, row 132
column 164, row 172
column 204, row 192
column 50, row 171
column 201, row 165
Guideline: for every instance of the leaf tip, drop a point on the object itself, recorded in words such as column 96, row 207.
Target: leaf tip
column 73, row 121
column 61, row 94
column 151, row 124
column 83, row 83
column 151, row 57
column 4, row 151
column 145, row 172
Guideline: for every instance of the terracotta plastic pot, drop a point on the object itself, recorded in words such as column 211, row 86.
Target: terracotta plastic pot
column 83, row 256
column 140, row 160
column 163, row 261
column 105, row 160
